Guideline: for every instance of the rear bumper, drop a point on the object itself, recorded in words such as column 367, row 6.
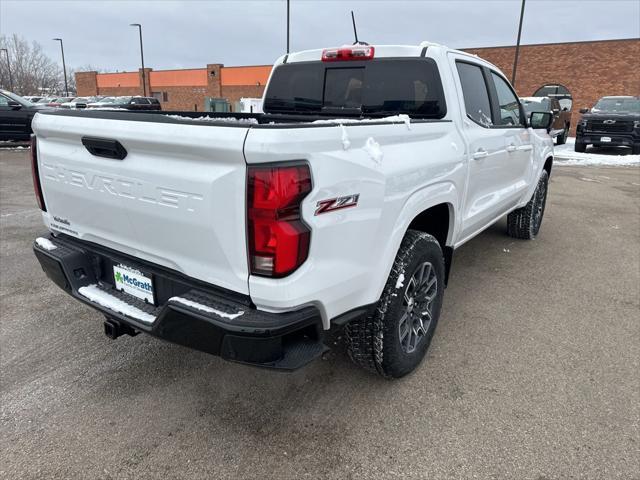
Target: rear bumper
column 187, row 312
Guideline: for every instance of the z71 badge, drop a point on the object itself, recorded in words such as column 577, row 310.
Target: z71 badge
column 332, row 204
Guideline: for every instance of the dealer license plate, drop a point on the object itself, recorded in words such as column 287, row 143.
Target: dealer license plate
column 133, row 282
column 605, row 139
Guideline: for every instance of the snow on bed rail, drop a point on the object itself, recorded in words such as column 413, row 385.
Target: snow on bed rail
column 566, row 155
column 402, row 118
column 206, row 308
column 95, row 294
column 45, row 243
column 207, row 118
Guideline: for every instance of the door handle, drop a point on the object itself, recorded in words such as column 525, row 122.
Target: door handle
column 511, row 148
column 480, row 153
column 525, row 148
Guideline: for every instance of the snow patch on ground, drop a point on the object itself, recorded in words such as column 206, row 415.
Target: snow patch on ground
column 205, row 308
column 93, row 293
column 400, row 282
column 566, row 155
column 373, row 150
column 207, row 118
column 346, row 143
column 45, row 243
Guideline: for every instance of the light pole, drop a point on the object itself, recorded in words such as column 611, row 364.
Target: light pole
column 288, row 14
column 144, row 83
column 6, row 52
column 515, row 62
column 64, row 67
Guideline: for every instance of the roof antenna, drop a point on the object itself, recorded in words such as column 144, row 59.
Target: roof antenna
column 355, row 32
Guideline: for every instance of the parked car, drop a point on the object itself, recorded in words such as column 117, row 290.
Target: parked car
column 32, row 98
column 16, row 114
column 78, row 102
column 45, row 100
column 58, row 101
column 561, row 125
column 613, row 121
column 128, row 103
column 250, row 235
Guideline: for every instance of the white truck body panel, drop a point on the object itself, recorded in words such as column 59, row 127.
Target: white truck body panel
column 189, row 211
column 177, row 200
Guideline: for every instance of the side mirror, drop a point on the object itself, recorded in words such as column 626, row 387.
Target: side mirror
column 584, row 110
column 540, row 120
column 14, row 105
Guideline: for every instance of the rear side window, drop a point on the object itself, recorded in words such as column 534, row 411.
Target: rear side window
column 379, row 87
column 475, row 93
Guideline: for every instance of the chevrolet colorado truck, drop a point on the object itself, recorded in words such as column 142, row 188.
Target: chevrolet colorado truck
column 612, row 122
column 249, row 236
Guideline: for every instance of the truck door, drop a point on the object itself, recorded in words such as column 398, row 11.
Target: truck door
column 14, row 121
column 508, row 118
column 497, row 144
column 486, row 152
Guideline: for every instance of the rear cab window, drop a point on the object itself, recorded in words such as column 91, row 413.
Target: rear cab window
column 475, row 92
column 380, row 87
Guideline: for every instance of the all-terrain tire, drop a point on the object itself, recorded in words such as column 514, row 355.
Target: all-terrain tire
column 525, row 222
column 580, row 147
column 374, row 341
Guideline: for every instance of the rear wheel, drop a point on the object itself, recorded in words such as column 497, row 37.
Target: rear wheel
column 580, row 147
column 394, row 339
column 525, row 222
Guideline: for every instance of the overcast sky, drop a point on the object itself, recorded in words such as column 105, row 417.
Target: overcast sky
column 242, row 32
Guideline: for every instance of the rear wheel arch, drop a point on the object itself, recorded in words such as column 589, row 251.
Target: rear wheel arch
column 438, row 221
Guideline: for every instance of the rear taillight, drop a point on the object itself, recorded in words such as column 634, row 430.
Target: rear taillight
column 356, row 52
column 278, row 238
column 35, row 175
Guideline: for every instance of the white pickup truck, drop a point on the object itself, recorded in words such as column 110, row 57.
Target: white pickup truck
column 250, row 235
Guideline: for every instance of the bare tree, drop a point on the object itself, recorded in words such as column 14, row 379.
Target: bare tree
column 32, row 71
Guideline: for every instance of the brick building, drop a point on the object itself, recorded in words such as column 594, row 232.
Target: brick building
column 589, row 70
column 179, row 89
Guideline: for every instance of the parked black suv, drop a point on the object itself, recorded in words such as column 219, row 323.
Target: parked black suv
column 16, row 114
column 613, row 121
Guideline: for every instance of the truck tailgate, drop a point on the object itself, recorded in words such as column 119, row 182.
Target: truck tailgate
column 177, row 199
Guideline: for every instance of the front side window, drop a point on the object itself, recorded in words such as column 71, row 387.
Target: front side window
column 509, row 107
column 475, row 93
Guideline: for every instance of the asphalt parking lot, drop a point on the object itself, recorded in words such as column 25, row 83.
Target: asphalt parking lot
column 532, row 374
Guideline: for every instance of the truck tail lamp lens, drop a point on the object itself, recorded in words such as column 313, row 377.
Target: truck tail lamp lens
column 357, row 52
column 35, row 176
column 278, row 238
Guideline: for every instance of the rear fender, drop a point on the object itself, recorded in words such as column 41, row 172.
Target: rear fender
column 417, row 203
